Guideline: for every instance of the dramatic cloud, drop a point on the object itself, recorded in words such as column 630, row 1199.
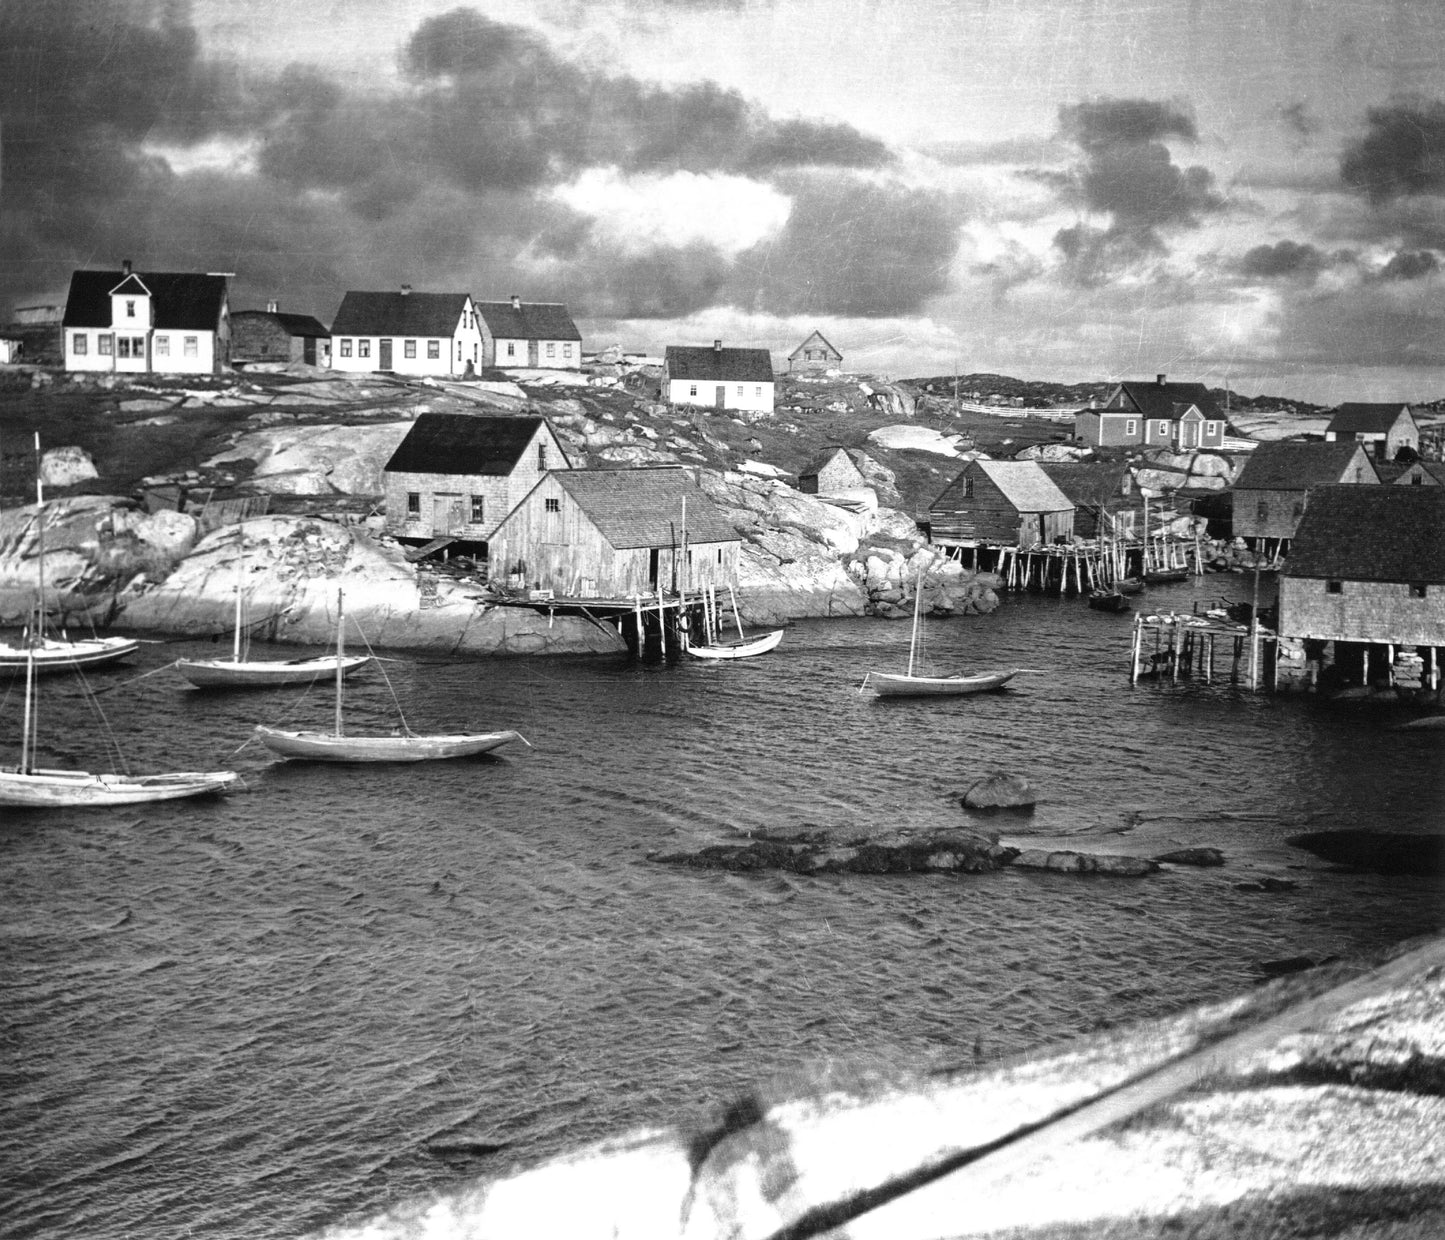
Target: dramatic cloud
column 1284, row 260
column 1401, row 153
column 1410, row 265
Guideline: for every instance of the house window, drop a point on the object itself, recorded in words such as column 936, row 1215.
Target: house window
column 408, row 348
column 191, row 346
column 740, row 389
column 122, row 346
column 692, row 389
column 567, row 350
column 1417, row 589
column 163, row 346
column 1163, row 428
column 104, row 345
column 1416, row 479
column 553, row 505
column 413, row 503
column 1131, row 426
column 434, row 350
column 551, row 349
column 479, row 509
column 1211, row 428
column 1261, row 509
column 345, row 348
column 541, row 456
column 758, row 391
column 78, row 344
column 968, row 488
column 363, row 348
column 511, row 348
column 130, row 309
column 1334, row 587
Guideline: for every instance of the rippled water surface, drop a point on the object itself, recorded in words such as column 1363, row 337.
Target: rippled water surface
column 252, row 1016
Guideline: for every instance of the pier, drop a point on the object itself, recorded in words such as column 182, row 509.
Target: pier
column 656, row 626
column 1191, row 646
column 1080, row 567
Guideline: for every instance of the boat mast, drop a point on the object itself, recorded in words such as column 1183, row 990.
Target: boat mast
column 917, row 602
column 240, row 580
column 39, row 533
column 27, row 729
column 340, row 650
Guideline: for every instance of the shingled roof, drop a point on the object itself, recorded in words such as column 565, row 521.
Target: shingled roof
column 1089, row 483
column 643, row 507
column 1023, row 483
column 464, row 443
column 528, row 320
column 291, row 324
column 1356, row 417
column 180, row 300
column 1371, row 533
column 399, row 314
column 1168, row 401
column 1297, row 465
column 717, row 364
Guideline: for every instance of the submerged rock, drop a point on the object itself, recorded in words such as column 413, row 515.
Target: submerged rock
column 1192, row 856
column 1084, row 863
column 1000, row 790
column 900, row 853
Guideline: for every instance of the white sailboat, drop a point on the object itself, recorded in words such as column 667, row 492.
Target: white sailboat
column 403, row 746
column 27, row 786
column 37, row 651
column 238, row 673
column 892, row 684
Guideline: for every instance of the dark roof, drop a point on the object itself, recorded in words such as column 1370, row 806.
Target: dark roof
column 464, row 443
column 180, row 300
column 1169, row 400
column 1356, row 417
column 816, row 335
column 530, row 320
column 1297, row 465
column 1392, row 471
column 291, row 324
column 709, row 363
column 643, row 507
column 1023, row 483
column 1088, row 483
column 1371, row 533
column 399, row 314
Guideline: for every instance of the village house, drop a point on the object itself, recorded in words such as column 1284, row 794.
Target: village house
column 717, row 378
column 1180, row 416
column 1106, row 501
column 1410, row 473
column 270, row 336
column 831, row 471
column 1001, row 504
column 457, row 475
column 814, row 356
column 1366, row 573
column 533, row 333
column 132, row 322
column 1383, row 428
column 618, row 534
column 407, row 333
column 1273, row 489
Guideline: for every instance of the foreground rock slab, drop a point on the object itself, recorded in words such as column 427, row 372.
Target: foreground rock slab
column 901, row 853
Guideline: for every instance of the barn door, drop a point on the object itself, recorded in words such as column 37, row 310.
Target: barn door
column 384, row 355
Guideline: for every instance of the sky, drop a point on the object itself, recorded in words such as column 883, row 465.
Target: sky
column 1232, row 192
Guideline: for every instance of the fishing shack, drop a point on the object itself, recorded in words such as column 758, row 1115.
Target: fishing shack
column 1273, row 489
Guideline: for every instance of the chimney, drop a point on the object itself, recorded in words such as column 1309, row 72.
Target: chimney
column 516, row 302
column 717, row 346
column 405, row 289
column 125, row 266
column 272, row 307
column 1159, row 379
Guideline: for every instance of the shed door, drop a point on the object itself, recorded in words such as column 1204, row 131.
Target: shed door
column 308, row 350
column 720, row 397
column 447, row 514
column 383, row 350
column 531, row 353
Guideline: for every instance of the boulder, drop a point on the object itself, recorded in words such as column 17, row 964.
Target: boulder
column 918, row 438
column 1000, row 790
column 1192, row 856
column 1083, row 863
column 62, row 467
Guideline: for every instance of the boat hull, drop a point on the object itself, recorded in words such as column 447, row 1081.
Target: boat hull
column 741, row 649
column 226, row 674
column 886, row 684
column 43, row 789
column 54, row 655
column 1107, row 601
column 328, row 747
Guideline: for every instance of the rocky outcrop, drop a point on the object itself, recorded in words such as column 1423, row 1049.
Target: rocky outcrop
column 1192, row 856
column 917, row 438
column 316, row 460
column 900, row 852
column 1064, row 861
column 1000, row 790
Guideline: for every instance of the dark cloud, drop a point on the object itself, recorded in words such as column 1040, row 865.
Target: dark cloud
column 1093, row 256
column 1400, row 154
column 1298, row 120
column 1283, row 260
column 1410, row 265
column 1106, row 123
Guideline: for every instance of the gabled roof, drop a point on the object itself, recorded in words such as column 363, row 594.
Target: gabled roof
column 291, row 324
column 464, row 443
column 399, row 314
column 824, row 458
column 1295, row 465
column 1371, row 533
column 1393, row 471
column 131, row 286
column 714, row 364
column 643, row 507
column 1168, row 401
column 1088, row 483
column 528, row 320
column 180, row 300
column 1355, row 417
column 821, row 339
column 1023, row 483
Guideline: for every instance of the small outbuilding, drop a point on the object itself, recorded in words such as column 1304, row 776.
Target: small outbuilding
column 272, row 336
column 832, row 470
column 814, row 356
column 718, row 378
column 1410, row 473
column 1001, row 504
column 619, row 534
column 1273, row 489
column 529, row 333
column 1383, row 428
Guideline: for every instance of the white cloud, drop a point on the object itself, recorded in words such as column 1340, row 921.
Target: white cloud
column 218, row 154
column 641, row 213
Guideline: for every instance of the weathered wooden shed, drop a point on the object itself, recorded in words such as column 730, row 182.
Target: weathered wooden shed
column 814, row 356
column 1106, row 501
column 456, row 475
column 1274, row 486
column 831, row 470
column 1001, row 503
column 270, row 335
column 1383, row 427
column 1367, row 568
column 619, row 534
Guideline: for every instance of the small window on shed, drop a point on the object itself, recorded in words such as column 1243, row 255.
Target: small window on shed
column 1334, row 587
column 1418, row 589
column 541, row 456
column 1416, row 479
column 479, row 509
column 552, row 505
column 968, row 488
column 1261, row 509
column 413, row 503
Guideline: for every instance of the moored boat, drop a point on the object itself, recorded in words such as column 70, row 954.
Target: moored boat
column 58, row 654
column 1108, row 600
column 741, row 648
column 38, row 788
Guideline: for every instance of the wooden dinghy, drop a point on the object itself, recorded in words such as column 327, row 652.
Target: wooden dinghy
column 404, row 747
column 1108, row 600
column 264, row 673
column 741, row 648
column 886, row 684
column 42, row 789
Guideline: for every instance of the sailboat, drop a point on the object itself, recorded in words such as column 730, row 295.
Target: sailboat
column 39, row 652
column 891, row 684
column 237, row 673
column 404, row 746
column 27, row 786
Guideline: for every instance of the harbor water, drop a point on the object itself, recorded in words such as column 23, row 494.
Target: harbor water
column 345, row 987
